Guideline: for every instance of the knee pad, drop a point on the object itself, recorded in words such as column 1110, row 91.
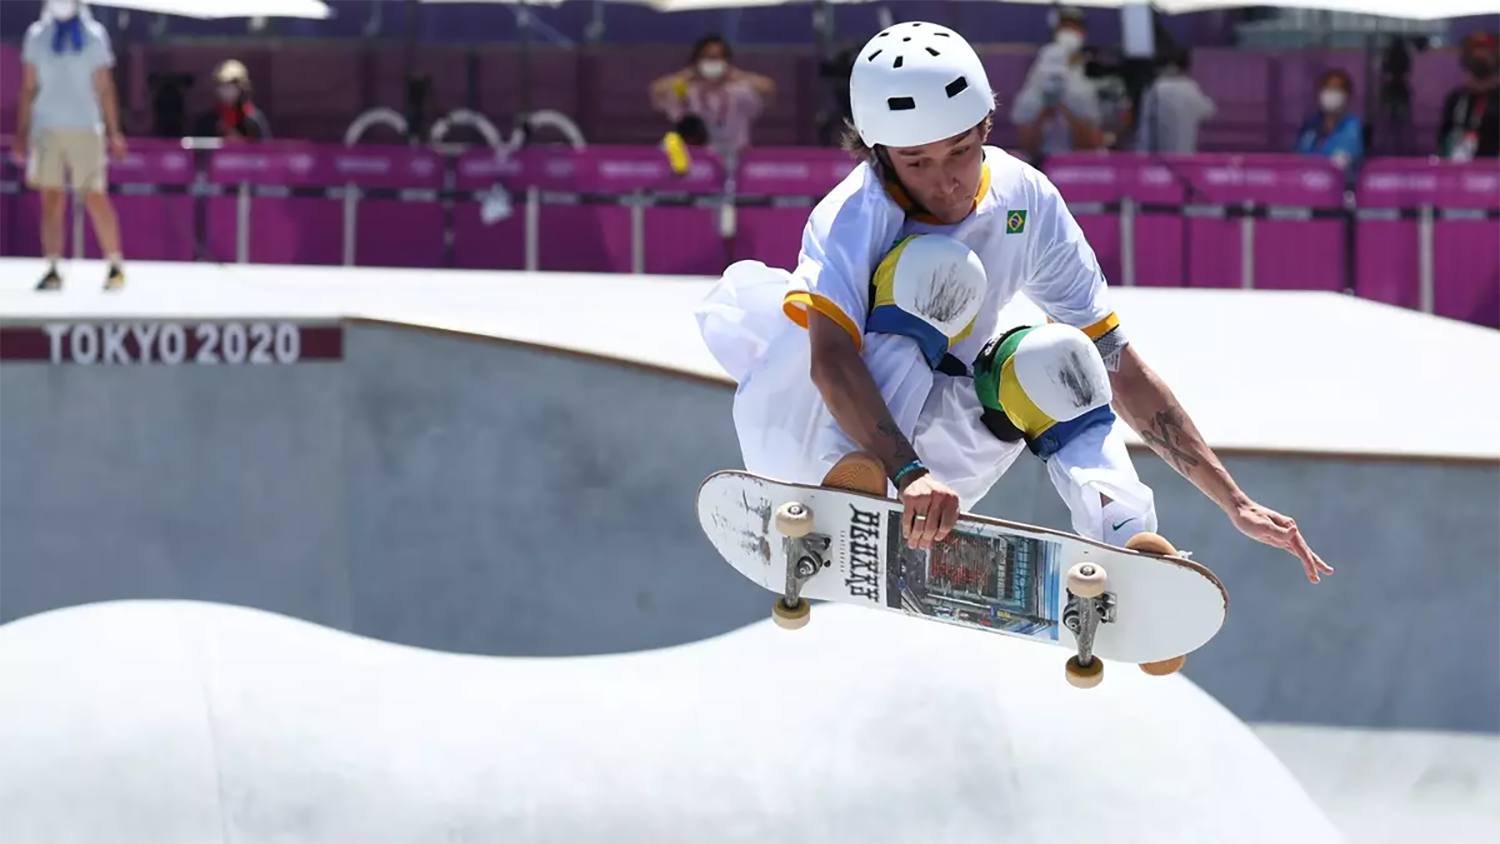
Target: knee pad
column 928, row 288
column 1045, row 384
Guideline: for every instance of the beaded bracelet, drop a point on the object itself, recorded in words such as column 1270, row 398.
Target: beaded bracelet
column 904, row 470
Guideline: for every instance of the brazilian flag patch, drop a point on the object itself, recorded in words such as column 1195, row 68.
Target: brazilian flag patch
column 1015, row 222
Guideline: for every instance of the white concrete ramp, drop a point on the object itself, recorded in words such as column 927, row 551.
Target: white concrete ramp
column 168, row 722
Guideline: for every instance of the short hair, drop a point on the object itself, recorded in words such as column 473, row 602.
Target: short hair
column 853, row 144
column 709, row 39
column 1339, row 74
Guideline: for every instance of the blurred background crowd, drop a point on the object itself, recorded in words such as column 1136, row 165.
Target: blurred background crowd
column 1232, row 79
column 1343, row 81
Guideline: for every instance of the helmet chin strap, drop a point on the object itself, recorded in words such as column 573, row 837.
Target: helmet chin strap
column 888, row 171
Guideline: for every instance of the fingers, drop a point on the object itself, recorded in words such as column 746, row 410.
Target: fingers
column 929, row 518
column 1311, row 562
column 948, row 517
column 1296, row 543
column 1273, row 528
column 926, row 518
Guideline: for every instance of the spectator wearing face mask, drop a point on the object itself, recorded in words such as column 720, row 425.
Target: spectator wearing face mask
column 67, row 106
column 1333, row 131
column 1470, row 126
column 710, row 102
column 1058, row 108
column 234, row 117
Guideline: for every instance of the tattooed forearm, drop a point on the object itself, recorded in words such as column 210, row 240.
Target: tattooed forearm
column 1146, row 403
column 901, row 447
column 853, row 398
column 1164, row 433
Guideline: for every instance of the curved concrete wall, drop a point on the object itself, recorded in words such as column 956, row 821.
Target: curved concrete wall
column 473, row 496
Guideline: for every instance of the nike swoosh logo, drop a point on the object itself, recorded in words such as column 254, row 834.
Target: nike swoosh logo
column 1118, row 525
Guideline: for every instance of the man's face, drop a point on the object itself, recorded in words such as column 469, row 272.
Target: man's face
column 944, row 175
column 1480, row 61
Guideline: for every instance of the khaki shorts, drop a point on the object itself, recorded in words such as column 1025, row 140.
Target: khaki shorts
column 57, row 153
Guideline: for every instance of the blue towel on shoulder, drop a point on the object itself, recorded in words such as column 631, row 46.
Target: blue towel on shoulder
column 68, row 35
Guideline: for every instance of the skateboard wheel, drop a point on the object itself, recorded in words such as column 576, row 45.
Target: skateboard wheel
column 791, row 618
column 1151, row 543
column 1164, row 667
column 1084, row 676
column 1087, row 580
column 794, row 519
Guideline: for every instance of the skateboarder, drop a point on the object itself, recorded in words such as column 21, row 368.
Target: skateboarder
column 884, row 341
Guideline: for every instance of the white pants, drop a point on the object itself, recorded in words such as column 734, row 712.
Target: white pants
column 787, row 432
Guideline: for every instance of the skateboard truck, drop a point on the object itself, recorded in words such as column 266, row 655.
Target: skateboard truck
column 1088, row 606
column 794, row 520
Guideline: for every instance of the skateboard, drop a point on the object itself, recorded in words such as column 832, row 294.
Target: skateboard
column 1145, row 603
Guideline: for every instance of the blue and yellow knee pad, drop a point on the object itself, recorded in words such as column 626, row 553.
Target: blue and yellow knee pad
column 1045, row 384
column 929, row 288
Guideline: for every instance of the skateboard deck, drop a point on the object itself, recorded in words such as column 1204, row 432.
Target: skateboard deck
column 820, row 543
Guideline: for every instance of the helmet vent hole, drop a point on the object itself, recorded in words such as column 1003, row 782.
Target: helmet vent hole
column 873, row 55
column 901, row 103
column 939, row 34
column 933, row 52
column 899, row 60
column 957, row 86
column 907, row 38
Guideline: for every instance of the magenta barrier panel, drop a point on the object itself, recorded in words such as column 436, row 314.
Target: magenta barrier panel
column 1294, row 247
column 1094, row 186
column 286, row 224
column 581, row 226
column 405, row 230
column 773, row 234
column 1465, row 241
column 14, row 223
column 297, row 210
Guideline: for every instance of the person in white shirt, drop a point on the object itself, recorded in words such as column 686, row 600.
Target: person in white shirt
column 1173, row 109
column 66, row 109
column 1058, row 108
column 882, row 351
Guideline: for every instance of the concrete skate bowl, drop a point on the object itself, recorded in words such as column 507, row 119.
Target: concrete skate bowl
column 472, row 495
column 427, row 489
column 167, row 722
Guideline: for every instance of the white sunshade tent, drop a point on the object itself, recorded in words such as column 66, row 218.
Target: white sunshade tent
column 658, row 5
column 1412, row 10
column 212, row 9
column 1426, row 10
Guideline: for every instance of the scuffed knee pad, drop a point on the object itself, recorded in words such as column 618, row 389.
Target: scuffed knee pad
column 928, row 288
column 1045, row 383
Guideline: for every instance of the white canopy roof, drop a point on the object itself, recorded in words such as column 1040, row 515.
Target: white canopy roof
column 207, row 9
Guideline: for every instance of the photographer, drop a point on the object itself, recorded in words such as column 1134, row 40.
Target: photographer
column 235, row 117
column 1058, row 109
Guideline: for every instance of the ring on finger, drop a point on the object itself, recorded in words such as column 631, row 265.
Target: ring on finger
column 921, row 518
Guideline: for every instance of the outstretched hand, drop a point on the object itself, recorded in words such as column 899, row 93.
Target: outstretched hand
column 1266, row 525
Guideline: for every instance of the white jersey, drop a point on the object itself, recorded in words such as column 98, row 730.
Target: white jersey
column 754, row 321
column 1020, row 228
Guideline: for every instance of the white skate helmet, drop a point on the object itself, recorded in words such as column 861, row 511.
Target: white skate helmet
column 915, row 83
